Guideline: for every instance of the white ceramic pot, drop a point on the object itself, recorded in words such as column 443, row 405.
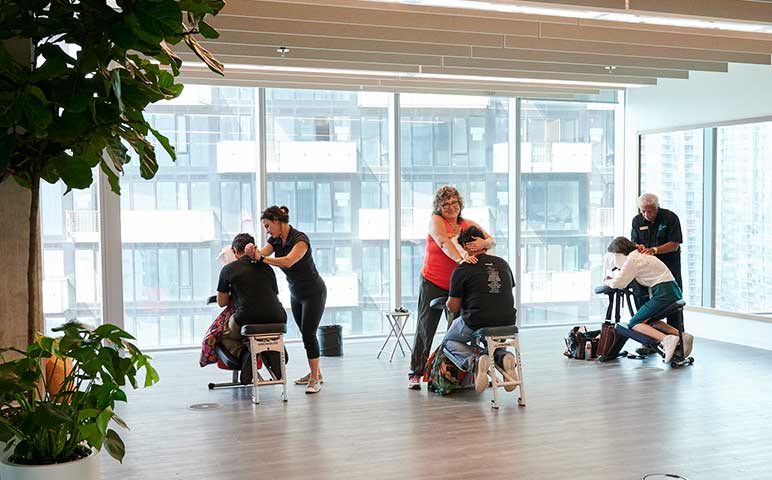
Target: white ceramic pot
column 83, row 469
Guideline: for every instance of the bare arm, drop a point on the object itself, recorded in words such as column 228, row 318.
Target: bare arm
column 291, row 258
column 440, row 235
column 266, row 251
column 223, row 298
column 453, row 304
column 664, row 248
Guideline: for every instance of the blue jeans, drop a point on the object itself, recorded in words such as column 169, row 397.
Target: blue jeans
column 458, row 340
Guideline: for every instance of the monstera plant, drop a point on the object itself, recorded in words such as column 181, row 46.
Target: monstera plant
column 50, row 419
column 76, row 101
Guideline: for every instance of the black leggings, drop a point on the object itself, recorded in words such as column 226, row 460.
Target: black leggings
column 308, row 315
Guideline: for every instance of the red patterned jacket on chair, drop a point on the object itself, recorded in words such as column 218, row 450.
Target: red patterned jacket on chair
column 213, row 334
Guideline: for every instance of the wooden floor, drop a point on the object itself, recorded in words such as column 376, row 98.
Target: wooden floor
column 584, row 420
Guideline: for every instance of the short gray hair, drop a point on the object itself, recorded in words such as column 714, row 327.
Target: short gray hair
column 648, row 199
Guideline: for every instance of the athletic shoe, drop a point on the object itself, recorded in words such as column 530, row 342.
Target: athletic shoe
column 414, row 382
column 644, row 351
column 688, row 343
column 509, row 368
column 313, row 386
column 305, row 379
column 481, row 378
column 669, row 344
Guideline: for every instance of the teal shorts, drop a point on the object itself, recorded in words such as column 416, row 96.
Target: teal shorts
column 662, row 295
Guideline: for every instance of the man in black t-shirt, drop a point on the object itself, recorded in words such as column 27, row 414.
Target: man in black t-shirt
column 249, row 286
column 482, row 289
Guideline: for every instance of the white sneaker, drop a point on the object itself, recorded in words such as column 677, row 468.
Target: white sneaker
column 669, row 344
column 305, row 378
column 509, row 368
column 481, row 378
column 314, row 386
column 688, row 343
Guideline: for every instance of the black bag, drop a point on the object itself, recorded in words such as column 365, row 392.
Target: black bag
column 577, row 340
column 611, row 342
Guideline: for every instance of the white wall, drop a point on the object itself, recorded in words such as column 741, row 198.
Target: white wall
column 744, row 92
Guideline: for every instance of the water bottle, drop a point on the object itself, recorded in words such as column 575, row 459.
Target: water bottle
column 588, row 350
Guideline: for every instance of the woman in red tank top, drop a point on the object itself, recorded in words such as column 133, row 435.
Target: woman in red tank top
column 442, row 255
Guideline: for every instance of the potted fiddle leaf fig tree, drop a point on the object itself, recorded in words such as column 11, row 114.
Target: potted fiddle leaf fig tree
column 75, row 100
column 55, row 430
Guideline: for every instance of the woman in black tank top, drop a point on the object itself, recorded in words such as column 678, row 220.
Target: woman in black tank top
column 291, row 251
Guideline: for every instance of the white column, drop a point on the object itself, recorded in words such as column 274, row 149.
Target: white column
column 395, row 207
column 112, row 263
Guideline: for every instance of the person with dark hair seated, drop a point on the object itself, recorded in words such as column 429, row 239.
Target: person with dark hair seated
column 650, row 272
column 249, row 286
column 483, row 292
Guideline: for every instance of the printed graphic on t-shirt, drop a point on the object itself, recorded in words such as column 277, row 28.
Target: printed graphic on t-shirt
column 494, row 279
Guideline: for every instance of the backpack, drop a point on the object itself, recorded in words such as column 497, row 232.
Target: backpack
column 444, row 376
column 577, row 339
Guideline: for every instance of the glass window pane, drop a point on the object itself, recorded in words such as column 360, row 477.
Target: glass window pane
column 743, row 223
column 671, row 168
column 327, row 154
column 473, row 124
column 230, row 206
column 70, row 236
column 181, row 219
column 567, row 163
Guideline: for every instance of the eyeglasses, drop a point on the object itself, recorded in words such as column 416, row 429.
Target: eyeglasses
column 451, row 204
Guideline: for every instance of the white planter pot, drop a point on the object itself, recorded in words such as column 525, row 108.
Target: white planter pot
column 83, row 469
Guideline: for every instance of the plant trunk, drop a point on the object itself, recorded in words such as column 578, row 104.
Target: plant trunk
column 33, row 289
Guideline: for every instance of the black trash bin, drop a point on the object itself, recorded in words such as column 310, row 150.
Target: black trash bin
column 331, row 340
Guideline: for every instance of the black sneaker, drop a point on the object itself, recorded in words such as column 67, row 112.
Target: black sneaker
column 643, row 351
column 245, row 378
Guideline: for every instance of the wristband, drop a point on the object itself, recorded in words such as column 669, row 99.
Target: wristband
column 655, row 250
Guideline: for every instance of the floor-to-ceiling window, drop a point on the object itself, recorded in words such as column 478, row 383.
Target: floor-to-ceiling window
column 568, row 157
column 327, row 161
column 70, row 233
column 744, row 218
column 174, row 225
column 671, row 167
column 459, row 141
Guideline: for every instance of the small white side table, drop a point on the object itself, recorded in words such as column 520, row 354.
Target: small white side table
column 397, row 321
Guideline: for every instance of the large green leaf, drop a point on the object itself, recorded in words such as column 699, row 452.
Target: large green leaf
column 73, row 170
column 207, row 31
column 158, row 17
column 114, row 445
column 55, row 64
column 11, row 109
column 36, row 109
column 211, row 7
column 164, row 143
column 10, row 69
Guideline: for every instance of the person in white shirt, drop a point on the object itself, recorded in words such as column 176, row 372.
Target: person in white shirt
column 649, row 271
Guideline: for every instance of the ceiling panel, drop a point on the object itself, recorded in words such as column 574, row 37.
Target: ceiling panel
column 359, row 44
